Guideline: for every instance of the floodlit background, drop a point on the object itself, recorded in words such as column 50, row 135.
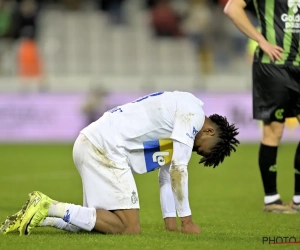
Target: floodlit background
column 122, row 44
column 64, row 62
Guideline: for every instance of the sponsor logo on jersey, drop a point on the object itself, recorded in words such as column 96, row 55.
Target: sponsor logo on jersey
column 195, row 131
column 157, row 153
column 292, row 18
column 191, row 137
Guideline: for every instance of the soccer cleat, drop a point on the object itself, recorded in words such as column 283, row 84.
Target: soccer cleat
column 13, row 222
column 295, row 206
column 36, row 212
column 279, row 207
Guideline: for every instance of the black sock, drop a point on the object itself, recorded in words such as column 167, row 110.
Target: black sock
column 267, row 165
column 297, row 170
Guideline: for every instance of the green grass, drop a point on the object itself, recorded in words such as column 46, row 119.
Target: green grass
column 226, row 202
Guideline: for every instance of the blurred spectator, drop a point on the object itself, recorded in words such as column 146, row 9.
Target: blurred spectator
column 29, row 61
column 72, row 4
column 180, row 8
column 94, row 107
column 223, row 2
column 164, row 20
column 25, row 15
column 151, row 3
column 115, row 10
column 197, row 27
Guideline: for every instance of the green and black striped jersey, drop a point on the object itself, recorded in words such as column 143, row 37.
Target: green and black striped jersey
column 280, row 25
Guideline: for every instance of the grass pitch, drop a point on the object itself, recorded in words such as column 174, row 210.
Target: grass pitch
column 226, row 202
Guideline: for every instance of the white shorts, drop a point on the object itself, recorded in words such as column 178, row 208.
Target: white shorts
column 105, row 186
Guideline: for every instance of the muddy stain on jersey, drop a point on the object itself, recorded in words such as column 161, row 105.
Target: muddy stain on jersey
column 186, row 118
column 105, row 161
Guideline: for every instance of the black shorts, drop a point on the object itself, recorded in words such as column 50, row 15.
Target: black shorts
column 276, row 92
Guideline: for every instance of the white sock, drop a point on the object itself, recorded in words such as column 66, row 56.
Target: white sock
column 59, row 224
column 82, row 217
column 57, row 209
column 271, row 198
column 296, row 199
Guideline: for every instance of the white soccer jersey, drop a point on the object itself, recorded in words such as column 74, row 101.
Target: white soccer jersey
column 140, row 134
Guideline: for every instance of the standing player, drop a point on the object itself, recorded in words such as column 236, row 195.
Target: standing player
column 156, row 131
column 276, row 84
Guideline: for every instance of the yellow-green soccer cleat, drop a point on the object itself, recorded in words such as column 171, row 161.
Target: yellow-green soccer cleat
column 36, row 212
column 13, row 222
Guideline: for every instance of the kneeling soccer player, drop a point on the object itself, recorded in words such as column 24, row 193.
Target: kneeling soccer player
column 158, row 131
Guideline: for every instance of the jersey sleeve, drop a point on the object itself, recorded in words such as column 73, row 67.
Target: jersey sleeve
column 181, row 153
column 188, row 120
column 167, row 200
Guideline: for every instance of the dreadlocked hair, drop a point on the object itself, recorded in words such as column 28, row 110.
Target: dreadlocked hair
column 226, row 141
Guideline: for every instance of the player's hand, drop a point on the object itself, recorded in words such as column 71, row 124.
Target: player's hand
column 171, row 224
column 188, row 226
column 273, row 51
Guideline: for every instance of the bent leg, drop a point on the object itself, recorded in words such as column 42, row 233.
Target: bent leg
column 109, row 187
column 108, row 223
column 125, row 221
column 62, row 215
column 74, row 218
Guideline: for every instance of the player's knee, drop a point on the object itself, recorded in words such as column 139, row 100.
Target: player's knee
column 132, row 229
column 272, row 132
column 274, row 136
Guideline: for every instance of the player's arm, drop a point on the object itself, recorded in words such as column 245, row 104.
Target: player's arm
column 179, row 183
column 188, row 120
column 235, row 9
column 167, row 201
